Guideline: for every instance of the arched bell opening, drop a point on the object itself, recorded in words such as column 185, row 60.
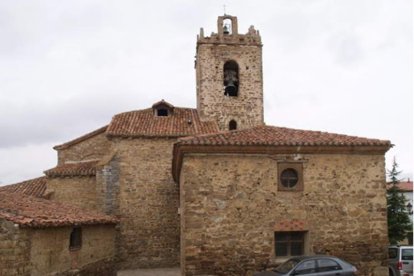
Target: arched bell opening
column 227, row 26
column 231, row 78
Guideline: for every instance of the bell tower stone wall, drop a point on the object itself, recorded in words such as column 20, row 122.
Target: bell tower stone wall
column 234, row 93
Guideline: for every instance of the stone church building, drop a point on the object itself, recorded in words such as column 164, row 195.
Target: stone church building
column 213, row 190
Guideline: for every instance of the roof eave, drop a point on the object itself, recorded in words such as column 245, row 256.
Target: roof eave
column 149, row 136
column 57, row 175
column 39, row 225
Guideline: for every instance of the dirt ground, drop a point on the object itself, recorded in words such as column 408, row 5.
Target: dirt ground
column 151, row 272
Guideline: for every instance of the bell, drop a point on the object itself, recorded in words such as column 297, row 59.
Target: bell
column 226, row 30
column 230, row 89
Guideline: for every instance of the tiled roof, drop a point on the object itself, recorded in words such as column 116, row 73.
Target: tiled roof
column 144, row 123
column 273, row 140
column 280, row 136
column 82, row 168
column 403, row 186
column 34, row 187
column 31, row 211
column 80, row 139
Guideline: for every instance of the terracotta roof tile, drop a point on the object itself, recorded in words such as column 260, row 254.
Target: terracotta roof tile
column 403, row 186
column 34, row 187
column 144, row 123
column 82, row 168
column 280, row 136
column 80, row 139
column 271, row 140
column 31, row 211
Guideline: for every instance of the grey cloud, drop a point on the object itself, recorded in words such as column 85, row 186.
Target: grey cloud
column 346, row 48
column 41, row 124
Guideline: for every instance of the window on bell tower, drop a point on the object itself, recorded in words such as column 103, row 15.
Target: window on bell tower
column 231, row 78
column 232, row 125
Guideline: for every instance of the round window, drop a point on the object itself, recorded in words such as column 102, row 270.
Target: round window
column 289, row 178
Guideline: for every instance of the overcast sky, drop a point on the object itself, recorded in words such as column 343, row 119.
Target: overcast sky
column 66, row 67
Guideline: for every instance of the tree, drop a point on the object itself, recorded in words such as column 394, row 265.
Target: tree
column 398, row 219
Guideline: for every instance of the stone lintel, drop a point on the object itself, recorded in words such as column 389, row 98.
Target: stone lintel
column 291, row 225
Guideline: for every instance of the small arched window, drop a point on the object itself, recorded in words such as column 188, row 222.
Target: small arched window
column 232, row 125
column 75, row 240
column 231, row 78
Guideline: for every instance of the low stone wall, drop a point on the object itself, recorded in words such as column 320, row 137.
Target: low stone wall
column 100, row 268
column 14, row 250
column 50, row 253
column 231, row 208
column 39, row 252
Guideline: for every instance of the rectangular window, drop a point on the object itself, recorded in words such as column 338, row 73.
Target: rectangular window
column 407, row 255
column 75, row 240
column 289, row 243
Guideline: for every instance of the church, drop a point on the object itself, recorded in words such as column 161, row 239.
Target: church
column 211, row 189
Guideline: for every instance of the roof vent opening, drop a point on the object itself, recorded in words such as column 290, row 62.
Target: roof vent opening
column 162, row 112
column 163, row 109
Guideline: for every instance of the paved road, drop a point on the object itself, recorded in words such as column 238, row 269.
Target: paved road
column 151, row 272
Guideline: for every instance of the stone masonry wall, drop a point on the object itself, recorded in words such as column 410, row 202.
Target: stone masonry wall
column 148, row 202
column 107, row 178
column 92, row 148
column 50, row 253
column 14, row 250
column 247, row 108
column 231, row 207
column 79, row 191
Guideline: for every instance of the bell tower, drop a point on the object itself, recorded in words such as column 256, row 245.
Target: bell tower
column 229, row 76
